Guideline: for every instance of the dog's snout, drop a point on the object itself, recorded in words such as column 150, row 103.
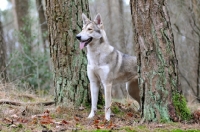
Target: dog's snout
column 78, row 37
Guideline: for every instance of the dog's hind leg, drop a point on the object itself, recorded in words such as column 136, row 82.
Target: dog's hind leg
column 107, row 91
column 133, row 89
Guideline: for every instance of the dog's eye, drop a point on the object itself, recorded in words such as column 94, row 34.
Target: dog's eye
column 89, row 29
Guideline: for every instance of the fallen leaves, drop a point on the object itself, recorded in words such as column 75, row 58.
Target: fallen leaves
column 16, row 121
column 103, row 124
column 196, row 115
column 7, row 120
column 130, row 114
column 70, row 119
column 46, row 119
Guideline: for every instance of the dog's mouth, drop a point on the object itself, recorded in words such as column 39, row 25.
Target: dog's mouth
column 85, row 43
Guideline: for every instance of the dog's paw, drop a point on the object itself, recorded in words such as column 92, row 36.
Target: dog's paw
column 91, row 114
column 107, row 114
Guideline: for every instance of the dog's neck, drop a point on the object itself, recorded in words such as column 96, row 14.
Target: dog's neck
column 100, row 44
column 93, row 47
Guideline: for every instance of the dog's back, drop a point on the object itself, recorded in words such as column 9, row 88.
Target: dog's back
column 128, row 66
column 123, row 66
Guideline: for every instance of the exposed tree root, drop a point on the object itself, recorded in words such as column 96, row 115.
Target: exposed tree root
column 142, row 121
column 24, row 104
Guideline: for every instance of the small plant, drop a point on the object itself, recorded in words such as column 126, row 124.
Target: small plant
column 115, row 110
column 180, row 105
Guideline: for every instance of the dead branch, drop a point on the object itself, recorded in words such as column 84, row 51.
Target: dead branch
column 25, row 104
column 43, row 103
column 10, row 102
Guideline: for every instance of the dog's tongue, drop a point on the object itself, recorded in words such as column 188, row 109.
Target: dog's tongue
column 82, row 45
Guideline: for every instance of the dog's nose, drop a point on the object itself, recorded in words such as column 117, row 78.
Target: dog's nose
column 78, row 37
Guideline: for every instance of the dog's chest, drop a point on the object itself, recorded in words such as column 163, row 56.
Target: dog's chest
column 97, row 59
column 99, row 65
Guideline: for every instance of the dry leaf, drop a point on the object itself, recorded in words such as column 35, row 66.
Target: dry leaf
column 64, row 122
column 130, row 114
column 8, row 120
column 76, row 118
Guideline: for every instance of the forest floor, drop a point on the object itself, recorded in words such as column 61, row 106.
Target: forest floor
column 22, row 111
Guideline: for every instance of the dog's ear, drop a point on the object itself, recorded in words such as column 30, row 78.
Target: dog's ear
column 85, row 19
column 97, row 19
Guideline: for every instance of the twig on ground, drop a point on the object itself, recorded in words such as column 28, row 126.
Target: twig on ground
column 20, row 103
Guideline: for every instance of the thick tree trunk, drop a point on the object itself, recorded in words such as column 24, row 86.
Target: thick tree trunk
column 70, row 77
column 158, row 73
column 43, row 22
column 2, row 56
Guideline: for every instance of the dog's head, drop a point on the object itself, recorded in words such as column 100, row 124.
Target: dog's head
column 91, row 31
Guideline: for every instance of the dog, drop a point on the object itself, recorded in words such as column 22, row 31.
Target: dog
column 106, row 65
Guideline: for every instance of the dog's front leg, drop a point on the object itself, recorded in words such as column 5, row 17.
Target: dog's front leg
column 94, row 88
column 107, row 91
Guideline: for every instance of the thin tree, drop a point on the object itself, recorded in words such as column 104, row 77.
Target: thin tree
column 43, row 24
column 70, row 76
column 22, row 22
column 157, row 62
column 116, row 36
column 2, row 56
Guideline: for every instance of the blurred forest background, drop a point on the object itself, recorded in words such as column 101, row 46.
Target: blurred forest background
column 24, row 50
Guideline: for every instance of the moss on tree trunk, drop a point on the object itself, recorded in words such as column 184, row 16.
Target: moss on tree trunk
column 69, row 62
column 158, row 71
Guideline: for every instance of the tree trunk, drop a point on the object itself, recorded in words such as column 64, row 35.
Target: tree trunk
column 187, row 41
column 20, row 8
column 70, row 77
column 115, row 33
column 22, row 23
column 196, row 28
column 157, row 63
column 115, row 30
column 2, row 56
column 43, row 23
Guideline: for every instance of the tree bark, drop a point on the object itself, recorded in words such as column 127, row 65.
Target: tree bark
column 2, row 56
column 70, row 77
column 157, row 63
